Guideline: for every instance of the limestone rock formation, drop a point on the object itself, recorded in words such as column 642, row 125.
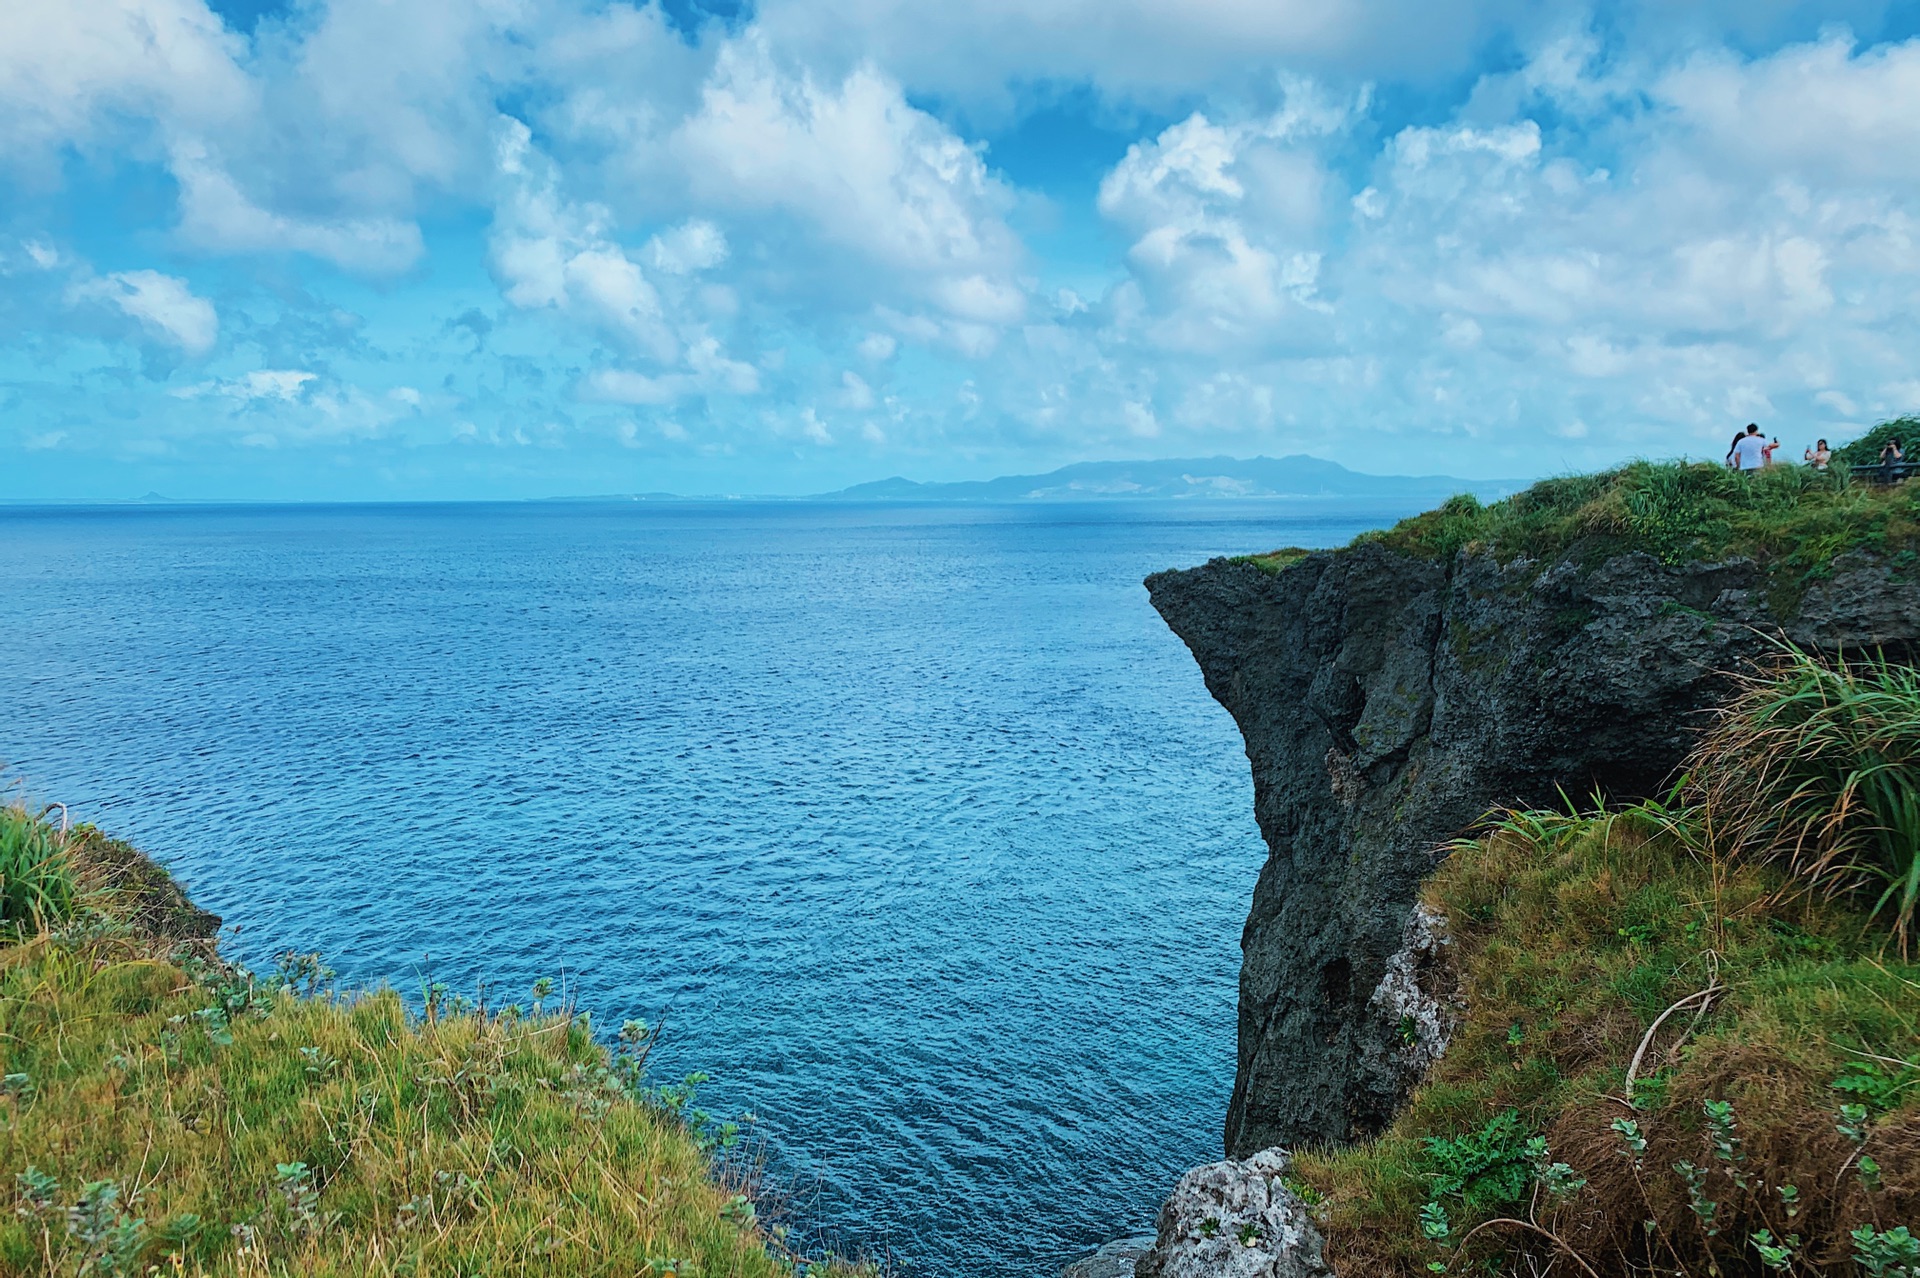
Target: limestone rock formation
column 1116, row 1259
column 1235, row 1219
column 1388, row 700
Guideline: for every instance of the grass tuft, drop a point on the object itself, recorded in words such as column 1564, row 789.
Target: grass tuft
column 36, row 877
column 1817, row 765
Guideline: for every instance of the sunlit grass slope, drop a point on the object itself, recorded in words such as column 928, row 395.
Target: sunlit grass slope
column 1792, row 520
column 163, row 1109
column 1691, row 1039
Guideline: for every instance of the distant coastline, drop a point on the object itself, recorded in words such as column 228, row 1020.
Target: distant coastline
column 1295, row 478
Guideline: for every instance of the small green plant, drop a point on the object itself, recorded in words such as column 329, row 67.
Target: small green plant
column 1632, row 1139
column 1894, row 1253
column 1210, row 1226
column 1777, row 1256
column 37, row 1191
column 1877, row 1085
column 109, row 1237
column 1248, row 1233
column 1489, row 1168
column 1705, row 1208
column 294, row 1181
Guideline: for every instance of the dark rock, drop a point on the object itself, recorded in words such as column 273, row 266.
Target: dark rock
column 1387, row 701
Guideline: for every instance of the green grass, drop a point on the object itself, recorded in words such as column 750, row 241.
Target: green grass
column 1274, row 561
column 1792, row 520
column 161, row 1109
column 1865, row 451
column 1781, row 1103
column 36, row 878
column 1817, row 765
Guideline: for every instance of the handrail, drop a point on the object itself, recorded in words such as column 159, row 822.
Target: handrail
column 1886, row 472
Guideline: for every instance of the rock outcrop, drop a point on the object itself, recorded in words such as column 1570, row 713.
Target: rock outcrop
column 1117, row 1259
column 1235, row 1219
column 1387, row 701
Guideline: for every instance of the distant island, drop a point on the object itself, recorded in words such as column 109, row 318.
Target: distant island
column 1297, row 477
column 1182, row 478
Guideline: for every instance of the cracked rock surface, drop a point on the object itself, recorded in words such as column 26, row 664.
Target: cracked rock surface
column 1235, row 1219
column 1387, row 701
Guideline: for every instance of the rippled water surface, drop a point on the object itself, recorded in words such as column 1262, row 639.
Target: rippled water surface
column 916, row 820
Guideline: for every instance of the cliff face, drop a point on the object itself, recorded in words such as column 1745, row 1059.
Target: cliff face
column 1388, row 700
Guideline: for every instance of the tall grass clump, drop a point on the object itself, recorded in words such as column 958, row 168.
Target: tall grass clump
column 1816, row 764
column 36, row 877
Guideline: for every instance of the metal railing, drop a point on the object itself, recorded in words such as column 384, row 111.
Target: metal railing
column 1886, row 472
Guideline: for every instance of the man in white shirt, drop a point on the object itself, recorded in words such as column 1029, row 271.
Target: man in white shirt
column 1748, row 450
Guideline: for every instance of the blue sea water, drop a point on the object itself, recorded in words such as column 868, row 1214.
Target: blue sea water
column 916, row 821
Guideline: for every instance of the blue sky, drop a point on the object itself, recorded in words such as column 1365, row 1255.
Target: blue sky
column 491, row 248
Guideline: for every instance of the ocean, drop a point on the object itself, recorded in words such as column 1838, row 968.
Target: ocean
column 914, row 824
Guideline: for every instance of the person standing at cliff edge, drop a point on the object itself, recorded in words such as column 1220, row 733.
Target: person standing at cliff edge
column 1749, row 451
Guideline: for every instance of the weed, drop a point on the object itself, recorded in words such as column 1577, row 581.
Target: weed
column 1892, row 1254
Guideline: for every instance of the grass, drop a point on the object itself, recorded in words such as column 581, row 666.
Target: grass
column 164, row 1112
column 1791, row 520
column 1678, row 1055
column 36, row 877
column 1817, row 765
column 1865, row 451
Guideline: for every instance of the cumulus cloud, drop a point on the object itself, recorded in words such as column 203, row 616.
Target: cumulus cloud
column 894, row 195
column 164, row 307
column 788, row 229
column 550, row 252
column 1737, row 245
column 1228, row 221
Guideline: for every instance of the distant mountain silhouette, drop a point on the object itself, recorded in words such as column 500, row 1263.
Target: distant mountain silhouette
column 1202, row 477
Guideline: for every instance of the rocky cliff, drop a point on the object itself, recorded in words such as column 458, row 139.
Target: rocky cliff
column 1388, row 699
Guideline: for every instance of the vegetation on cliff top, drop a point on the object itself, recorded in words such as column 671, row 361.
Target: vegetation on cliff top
column 1691, row 1039
column 161, row 1108
column 1793, row 520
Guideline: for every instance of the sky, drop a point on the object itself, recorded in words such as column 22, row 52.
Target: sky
column 445, row 249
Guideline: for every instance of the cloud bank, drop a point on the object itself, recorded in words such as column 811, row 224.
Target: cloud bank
column 461, row 249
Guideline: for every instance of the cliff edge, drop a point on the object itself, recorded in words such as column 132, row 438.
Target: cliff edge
column 1391, row 692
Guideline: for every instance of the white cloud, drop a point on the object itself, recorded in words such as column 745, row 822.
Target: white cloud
column 549, row 252
column 164, row 306
column 709, row 372
column 1228, row 223
column 895, row 195
column 216, row 215
column 693, row 246
column 74, row 73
